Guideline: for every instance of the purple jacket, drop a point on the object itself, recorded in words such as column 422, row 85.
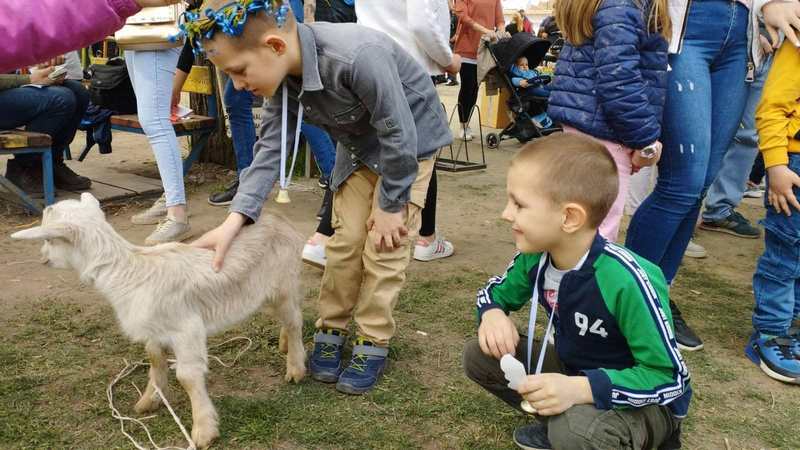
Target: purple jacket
column 33, row 31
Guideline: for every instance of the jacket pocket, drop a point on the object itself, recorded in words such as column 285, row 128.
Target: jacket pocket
column 352, row 119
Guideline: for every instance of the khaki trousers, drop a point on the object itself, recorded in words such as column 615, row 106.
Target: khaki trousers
column 358, row 281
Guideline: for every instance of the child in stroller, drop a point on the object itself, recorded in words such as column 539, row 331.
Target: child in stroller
column 530, row 83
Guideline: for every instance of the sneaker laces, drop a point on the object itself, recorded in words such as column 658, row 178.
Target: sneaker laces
column 327, row 350
column 738, row 218
column 782, row 346
column 359, row 362
column 164, row 224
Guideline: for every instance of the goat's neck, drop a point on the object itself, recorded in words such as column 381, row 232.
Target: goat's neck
column 104, row 254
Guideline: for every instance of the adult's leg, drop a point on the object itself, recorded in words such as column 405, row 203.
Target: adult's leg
column 728, row 98
column 152, row 73
column 726, row 192
column 428, row 228
column 322, row 147
column 239, row 105
column 468, row 92
column 81, row 104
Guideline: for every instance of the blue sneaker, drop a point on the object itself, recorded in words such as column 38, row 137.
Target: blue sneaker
column 365, row 368
column 532, row 437
column 795, row 334
column 775, row 356
column 326, row 360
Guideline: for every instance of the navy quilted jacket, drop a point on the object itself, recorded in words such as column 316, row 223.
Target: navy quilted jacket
column 613, row 86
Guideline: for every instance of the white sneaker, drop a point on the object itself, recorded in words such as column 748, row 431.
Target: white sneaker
column 152, row 215
column 753, row 192
column 464, row 134
column 314, row 255
column 694, row 250
column 169, row 230
column 439, row 248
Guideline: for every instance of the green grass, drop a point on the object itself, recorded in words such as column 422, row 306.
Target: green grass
column 57, row 358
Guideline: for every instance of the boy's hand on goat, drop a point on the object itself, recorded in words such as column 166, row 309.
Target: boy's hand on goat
column 386, row 229
column 497, row 334
column 219, row 239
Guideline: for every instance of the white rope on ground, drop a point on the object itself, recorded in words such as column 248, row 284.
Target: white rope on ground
column 131, row 367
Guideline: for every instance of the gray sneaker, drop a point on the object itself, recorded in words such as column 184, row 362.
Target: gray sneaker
column 152, row 215
column 734, row 224
column 169, row 230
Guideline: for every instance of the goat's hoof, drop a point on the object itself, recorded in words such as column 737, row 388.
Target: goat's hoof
column 148, row 403
column 295, row 373
column 203, row 436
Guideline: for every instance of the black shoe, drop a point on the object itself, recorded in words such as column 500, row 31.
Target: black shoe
column 327, row 204
column 687, row 339
column 26, row 178
column 64, row 178
column 734, row 224
column 225, row 197
column 532, row 437
column 323, row 183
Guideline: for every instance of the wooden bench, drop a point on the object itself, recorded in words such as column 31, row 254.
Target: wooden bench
column 16, row 142
column 199, row 127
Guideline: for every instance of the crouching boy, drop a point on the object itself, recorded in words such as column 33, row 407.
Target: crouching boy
column 382, row 109
column 612, row 376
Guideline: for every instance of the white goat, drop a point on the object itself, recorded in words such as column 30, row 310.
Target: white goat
column 168, row 296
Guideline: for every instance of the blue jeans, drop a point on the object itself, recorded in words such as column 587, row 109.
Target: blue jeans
column 706, row 94
column 776, row 283
column 151, row 75
column 53, row 110
column 239, row 105
column 726, row 192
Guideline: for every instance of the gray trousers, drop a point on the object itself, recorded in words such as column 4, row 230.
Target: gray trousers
column 581, row 427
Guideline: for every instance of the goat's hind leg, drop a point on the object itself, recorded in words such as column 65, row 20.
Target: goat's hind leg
column 291, row 337
column 150, row 401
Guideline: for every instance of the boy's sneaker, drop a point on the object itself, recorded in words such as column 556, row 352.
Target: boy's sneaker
column 325, row 363
column 225, row 197
column 366, row 367
column 314, row 255
column 734, row 224
column 428, row 251
column 684, row 335
column 532, row 437
column 795, row 334
column 152, row 215
column 695, row 250
column 169, row 230
column 774, row 355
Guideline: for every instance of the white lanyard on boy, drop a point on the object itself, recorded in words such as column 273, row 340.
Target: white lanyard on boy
column 284, row 180
column 532, row 320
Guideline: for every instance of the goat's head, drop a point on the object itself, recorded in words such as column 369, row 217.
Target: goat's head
column 61, row 225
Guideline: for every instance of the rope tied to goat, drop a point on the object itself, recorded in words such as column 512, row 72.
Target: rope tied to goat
column 132, row 367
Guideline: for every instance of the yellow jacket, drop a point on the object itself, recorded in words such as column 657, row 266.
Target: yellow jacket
column 778, row 114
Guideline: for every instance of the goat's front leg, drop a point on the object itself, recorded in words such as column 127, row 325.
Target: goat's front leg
column 191, row 367
column 159, row 369
column 291, row 337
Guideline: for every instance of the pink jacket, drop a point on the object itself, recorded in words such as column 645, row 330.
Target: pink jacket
column 33, row 31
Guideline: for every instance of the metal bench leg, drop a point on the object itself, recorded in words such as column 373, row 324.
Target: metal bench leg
column 29, row 203
column 199, row 144
column 47, row 177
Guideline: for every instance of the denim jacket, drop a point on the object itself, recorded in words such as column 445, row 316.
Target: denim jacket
column 373, row 98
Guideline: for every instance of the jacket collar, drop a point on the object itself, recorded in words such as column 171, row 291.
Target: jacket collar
column 308, row 53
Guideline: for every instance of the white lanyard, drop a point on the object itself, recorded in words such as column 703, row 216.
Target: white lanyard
column 284, row 181
column 532, row 321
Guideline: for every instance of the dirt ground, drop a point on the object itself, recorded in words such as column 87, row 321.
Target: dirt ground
column 735, row 405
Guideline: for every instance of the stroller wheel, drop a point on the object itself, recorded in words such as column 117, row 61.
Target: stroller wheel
column 492, row 140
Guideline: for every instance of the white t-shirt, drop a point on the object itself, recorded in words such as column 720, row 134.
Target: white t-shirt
column 421, row 27
column 552, row 281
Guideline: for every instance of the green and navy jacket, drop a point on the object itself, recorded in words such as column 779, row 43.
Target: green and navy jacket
column 612, row 324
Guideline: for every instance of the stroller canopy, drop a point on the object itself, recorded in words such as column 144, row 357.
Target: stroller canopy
column 506, row 51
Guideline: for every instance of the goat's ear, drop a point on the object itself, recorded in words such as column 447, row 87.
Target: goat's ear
column 55, row 231
column 89, row 199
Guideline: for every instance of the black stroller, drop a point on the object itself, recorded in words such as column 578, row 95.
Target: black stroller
column 505, row 53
